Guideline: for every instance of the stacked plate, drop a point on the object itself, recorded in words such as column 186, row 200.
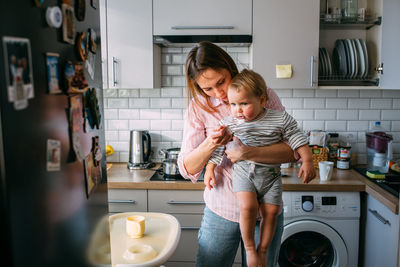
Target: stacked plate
column 350, row 59
column 325, row 69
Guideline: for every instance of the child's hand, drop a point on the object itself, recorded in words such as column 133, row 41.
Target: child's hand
column 221, row 136
column 307, row 169
column 209, row 178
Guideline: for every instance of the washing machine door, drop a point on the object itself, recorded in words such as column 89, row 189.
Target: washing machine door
column 312, row 243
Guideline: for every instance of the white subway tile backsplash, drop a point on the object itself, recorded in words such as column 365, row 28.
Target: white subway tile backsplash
column 139, row 102
column 111, row 135
column 128, row 93
column 370, row 93
column 160, row 102
column 172, row 70
column 118, row 125
column 391, row 93
column 303, row 114
column 179, row 103
column 390, row 115
column 359, row 103
column 155, row 92
column 171, row 92
column 124, row 135
column 118, row 103
column 326, row 93
column 372, row 114
column 383, row 103
column 161, row 110
column 171, row 114
column 291, row 103
column 357, row 126
column 314, row 103
column 128, row 114
column 313, row 125
column 110, row 114
column 338, row 126
column 171, row 136
column 351, row 114
column 160, row 125
column 139, row 124
column 325, row 114
column 338, row 103
column 150, row 114
column 303, row 93
column 348, row 93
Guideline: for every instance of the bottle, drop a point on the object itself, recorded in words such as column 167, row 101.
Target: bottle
column 378, row 128
column 344, row 156
column 333, row 146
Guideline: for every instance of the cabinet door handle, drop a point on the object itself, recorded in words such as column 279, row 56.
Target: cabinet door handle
column 379, row 217
column 130, row 201
column 173, row 202
column 115, row 62
column 190, row 228
column 312, row 71
column 202, row 27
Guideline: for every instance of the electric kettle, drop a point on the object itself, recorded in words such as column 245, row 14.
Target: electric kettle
column 139, row 149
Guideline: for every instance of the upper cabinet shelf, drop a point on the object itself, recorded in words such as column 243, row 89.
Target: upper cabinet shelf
column 333, row 23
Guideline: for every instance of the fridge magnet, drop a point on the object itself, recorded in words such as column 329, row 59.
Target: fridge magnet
column 90, row 64
column 92, row 110
column 38, row 2
column 18, row 67
column 92, row 174
column 75, row 82
column 68, row 28
column 97, row 154
column 54, row 16
column 80, row 9
column 92, row 40
column 82, row 46
column 53, row 155
column 52, row 73
column 76, row 124
column 94, row 3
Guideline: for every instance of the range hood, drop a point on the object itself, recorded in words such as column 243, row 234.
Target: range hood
column 185, row 40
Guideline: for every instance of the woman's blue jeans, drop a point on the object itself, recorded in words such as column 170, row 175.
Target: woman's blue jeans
column 219, row 240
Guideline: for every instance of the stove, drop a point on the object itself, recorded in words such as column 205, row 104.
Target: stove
column 391, row 183
column 159, row 175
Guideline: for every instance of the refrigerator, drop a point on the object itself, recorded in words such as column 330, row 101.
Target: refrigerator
column 53, row 183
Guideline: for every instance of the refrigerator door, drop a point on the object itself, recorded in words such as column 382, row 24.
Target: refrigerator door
column 46, row 217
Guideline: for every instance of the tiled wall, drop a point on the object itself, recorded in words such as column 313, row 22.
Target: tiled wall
column 349, row 112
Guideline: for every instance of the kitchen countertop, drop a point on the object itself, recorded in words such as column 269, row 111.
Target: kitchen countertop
column 120, row 177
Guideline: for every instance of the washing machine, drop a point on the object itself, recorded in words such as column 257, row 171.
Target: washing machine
column 320, row 229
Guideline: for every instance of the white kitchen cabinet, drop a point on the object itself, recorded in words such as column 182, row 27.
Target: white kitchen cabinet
column 381, row 235
column 286, row 32
column 207, row 17
column 131, row 59
column 127, row 200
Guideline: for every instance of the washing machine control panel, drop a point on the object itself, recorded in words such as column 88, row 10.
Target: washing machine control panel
column 323, row 204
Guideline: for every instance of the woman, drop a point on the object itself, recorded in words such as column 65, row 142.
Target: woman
column 209, row 70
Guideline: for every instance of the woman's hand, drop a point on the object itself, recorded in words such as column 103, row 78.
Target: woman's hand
column 236, row 151
column 307, row 169
column 221, row 136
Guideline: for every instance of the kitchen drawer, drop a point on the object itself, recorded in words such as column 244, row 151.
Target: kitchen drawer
column 176, row 201
column 127, row 200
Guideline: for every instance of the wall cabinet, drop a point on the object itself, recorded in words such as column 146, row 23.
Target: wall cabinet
column 130, row 58
column 207, row 17
column 381, row 235
column 300, row 28
column 286, row 32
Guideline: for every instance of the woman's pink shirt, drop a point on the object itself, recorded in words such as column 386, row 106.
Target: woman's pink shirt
column 198, row 125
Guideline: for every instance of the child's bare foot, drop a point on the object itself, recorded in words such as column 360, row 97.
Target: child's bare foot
column 252, row 258
column 262, row 257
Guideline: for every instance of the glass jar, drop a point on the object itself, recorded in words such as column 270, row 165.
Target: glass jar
column 349, row 9
column 333, row 146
